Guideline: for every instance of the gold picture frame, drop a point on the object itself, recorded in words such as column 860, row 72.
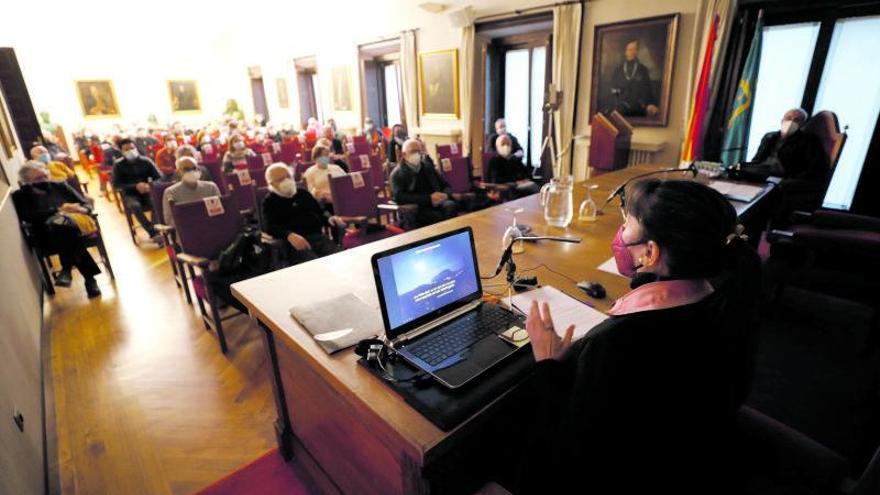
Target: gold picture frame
column 340, row 77
column 97, row 98
column 438, row 95
column 183, row 95
column 7, row 140
column 281, row 86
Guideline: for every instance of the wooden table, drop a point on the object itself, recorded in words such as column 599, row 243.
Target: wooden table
column 366, row 438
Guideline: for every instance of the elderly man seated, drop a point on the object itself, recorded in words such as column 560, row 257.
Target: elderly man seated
column 190, row 188
column 501, row 130
column 57, row 170
column 507, row 171
column 190, row 151
column 293, row 214
column 790, row 152
column 60, row 217
column 416, row 181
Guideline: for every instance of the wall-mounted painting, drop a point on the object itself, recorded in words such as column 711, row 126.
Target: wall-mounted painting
column 341, row 79
column 184, row 96
column 7, row 139
column 97, row 99
column 281, row 84
column 438, row 83
column 632, row 69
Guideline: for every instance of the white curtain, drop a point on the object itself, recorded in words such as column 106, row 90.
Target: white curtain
column 566, row 40
column 409, row 79
column 465, row 73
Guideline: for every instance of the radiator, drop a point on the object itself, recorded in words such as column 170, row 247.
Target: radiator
column 640, row 156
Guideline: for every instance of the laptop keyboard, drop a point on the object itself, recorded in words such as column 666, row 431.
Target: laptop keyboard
column 462, row 333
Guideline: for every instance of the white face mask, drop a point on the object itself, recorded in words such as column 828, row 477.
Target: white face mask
column 171, row 145
column 191, row 177
column 414, row 159
column 286, row 188
column 789, row 127
column 238, row 145
column 504, row 150
column 131, row 154
column 502, row 130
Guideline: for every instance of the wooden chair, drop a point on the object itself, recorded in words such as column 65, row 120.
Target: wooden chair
column 172, row 246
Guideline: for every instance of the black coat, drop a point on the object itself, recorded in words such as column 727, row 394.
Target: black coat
column 409, row 187
column 128, row 173
column 36, row 203
column 502, row 170
column 799, row 156
column 300, row 214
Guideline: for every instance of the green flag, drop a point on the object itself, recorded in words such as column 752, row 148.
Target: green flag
column 736, row 130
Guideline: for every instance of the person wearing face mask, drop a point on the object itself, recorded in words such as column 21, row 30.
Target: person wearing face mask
column 132, row 175
column 398, row 137
column 317, row 177
column 335, row 147
column 507, row 172
column 237, row 154
column 790, row 153
column 293, row 214
column 653, row 389
column 166, row 158
column 501, row 130
column 191, row 152
column 190, row 188
column 416, row 181
column 55, row 211
column 373, row 133
column 57, row 170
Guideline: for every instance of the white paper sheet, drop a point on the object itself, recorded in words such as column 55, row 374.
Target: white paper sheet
column 610, row 266
column 736, row 192
column 564, row 309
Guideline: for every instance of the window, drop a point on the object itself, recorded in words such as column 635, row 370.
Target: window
column 380, row 83
column 393, row 105
column 849, row 88
column 524, row 82
column 786, row 55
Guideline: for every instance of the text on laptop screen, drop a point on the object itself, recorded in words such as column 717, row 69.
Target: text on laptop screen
column 420, row 280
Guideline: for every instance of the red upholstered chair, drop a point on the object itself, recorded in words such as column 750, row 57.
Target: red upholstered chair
column 360, row 148
column 452, row 150
column 172, row 247
column 372, row 164
column 291, row 152
column 456, row 170
column 354, row 200
column 360, row 139
column 210, row 153
column 202, row 237
column 216, row 171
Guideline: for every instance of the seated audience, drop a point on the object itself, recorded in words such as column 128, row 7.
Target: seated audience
column 317, row 177
column 507, row 171
column 108, row 152
column 132, row 175
column 237, row 154
column 190, row 188
column 416, row 181
column 293, row 214
column 166, row 158
column 334, row 147
column 190, row 151
column 790, row 152
column 59, row 217
column 337, row 134
column 501, row 130
column 372, row 133
column 57, row 170
column 668, row 368
column 398, row 137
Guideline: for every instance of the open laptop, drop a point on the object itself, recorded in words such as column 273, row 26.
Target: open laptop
column 430, row 293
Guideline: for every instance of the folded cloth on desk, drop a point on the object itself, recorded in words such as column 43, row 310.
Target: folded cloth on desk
column 336, row 315
column 564, row 309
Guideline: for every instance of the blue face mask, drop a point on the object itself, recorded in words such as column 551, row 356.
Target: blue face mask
column 45, row 158
column 323, row 161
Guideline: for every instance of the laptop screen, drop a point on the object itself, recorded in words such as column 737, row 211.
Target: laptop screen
column 422, row 281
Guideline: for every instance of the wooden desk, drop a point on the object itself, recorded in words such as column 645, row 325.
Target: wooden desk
column 366, row 438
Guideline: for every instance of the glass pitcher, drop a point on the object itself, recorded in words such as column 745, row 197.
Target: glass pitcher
column 556, row 198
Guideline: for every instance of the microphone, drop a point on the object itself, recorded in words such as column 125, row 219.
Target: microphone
column 620, row 190
column 508, row 251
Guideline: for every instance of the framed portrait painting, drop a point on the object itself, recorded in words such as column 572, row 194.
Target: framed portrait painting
column 341, row 79
column 97, row 98
column 7, row 139
column 632, row 69
column 281, row 86
column 438, row 84
column 184, row 96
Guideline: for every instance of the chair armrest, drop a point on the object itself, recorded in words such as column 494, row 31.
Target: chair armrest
column 271, row 241
column 789, row 453
column 355, row 219
column 389, row 206
column 776, row 235
column 163, row 229
column 194, row 260
column 841, row 220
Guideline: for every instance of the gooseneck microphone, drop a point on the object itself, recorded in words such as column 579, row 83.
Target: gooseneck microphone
column 508, row 251
column 620, row 190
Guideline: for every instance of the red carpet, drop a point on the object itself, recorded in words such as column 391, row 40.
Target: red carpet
column 268, row 475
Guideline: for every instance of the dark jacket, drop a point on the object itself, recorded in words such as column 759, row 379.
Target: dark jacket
column 36, row 203
column 514, row 143
column 502, row 170
column 127, row 174
column 645, row 403
column 300, row 214
column 409, row 187
column 392, row 151
column 799, row 156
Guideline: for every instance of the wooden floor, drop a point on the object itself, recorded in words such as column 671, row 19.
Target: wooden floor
column 144, row 402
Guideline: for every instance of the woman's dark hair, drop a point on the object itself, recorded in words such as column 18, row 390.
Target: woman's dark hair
column 691, row 223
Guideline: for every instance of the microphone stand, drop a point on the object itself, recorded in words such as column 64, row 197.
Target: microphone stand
column 621, row 189
column 507, row 260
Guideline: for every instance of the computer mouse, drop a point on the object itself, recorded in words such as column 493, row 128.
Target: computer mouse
column 593, row 289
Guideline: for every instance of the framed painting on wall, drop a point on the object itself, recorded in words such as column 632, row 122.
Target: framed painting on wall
column 97, row 98
column 632, row 69
column 7, row 138
column 341, row 79
column 281, row 85
column 184, row 96
column 438, row 84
